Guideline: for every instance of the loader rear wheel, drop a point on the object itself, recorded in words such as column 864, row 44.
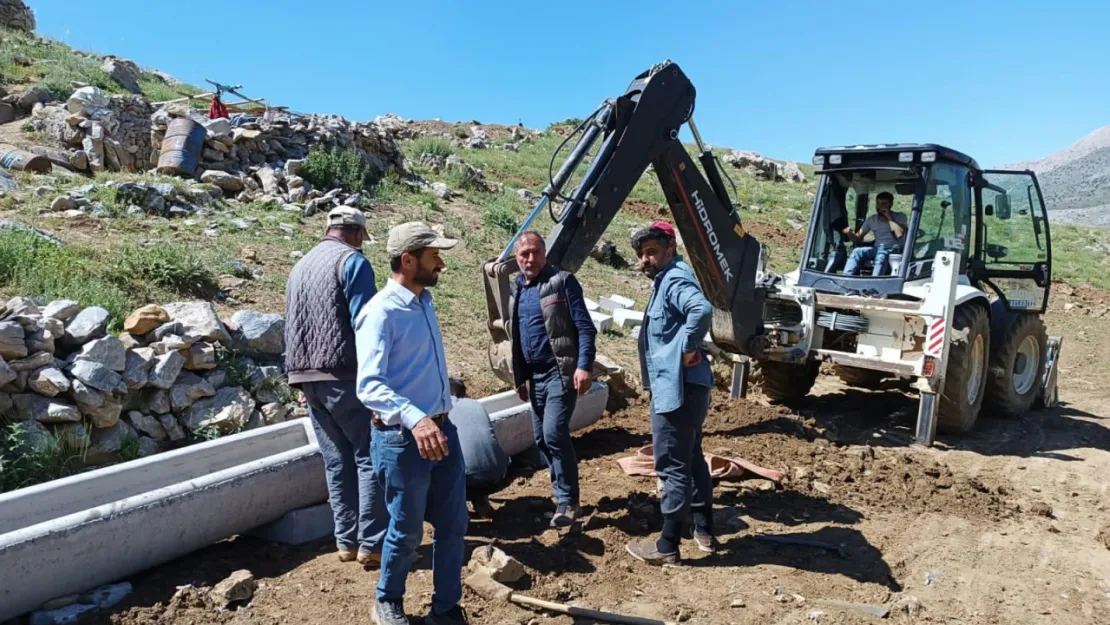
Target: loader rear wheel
column 1017, row 366
column 860, row 377
column 966, row 378
column 786, row 382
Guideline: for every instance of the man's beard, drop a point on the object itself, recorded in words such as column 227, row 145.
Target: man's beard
column 650, row 270
column 426, row 277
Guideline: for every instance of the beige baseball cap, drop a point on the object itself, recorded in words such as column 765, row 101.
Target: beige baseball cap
column 415, row 235
column 346, row 216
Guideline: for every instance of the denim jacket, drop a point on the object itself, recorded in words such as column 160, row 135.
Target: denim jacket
column 676, row 321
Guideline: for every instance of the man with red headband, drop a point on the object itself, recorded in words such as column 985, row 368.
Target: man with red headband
column 674, row 370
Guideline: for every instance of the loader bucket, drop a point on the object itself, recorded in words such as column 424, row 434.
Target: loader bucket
column 496, row 276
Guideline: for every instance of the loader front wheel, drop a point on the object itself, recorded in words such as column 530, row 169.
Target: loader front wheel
column 966, row 378
column 786, row 382
column 1017, row 366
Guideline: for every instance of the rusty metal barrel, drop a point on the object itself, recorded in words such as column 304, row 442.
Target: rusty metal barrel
column 181, row 148
column 12, row 157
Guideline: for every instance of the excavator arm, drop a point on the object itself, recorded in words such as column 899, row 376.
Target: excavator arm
column 638, row 129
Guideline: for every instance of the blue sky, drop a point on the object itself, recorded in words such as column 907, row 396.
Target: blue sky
column 1003, row 81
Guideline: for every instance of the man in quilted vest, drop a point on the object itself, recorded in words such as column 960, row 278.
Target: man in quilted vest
column 553, row 352
column 326, row 290
column 674, row 370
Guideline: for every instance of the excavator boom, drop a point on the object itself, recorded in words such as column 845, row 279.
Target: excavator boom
column 635, row 130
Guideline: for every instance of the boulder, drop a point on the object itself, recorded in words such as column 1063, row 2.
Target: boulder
column 238, row 587
column 172, row 427
column 792, row 173
column 166, row 329
column 108, row 351
column 95, row 375
column 137, row 367
column 293, row 167
column 22, row 306
column 36, row 361
column 34, row 436
column 165, row 370
column 103, row 413
column 188, row 389
column 259, row 333
column 148, row 446
column 216, row 378
column 63, row 310
column 107, row 442
column 6, row 373
column 269, row 179
column 87, row 102
column 229, row 183
column 199, row 320
column 5, row 402
column 34, row 407
column 228, row 410
column 201, row 356
column 15, row 15
column 145, row 320
column 147, row 424
column 124, row 72
column 89, row 324
column 29, row 98
column 274, row 413
column 85, row 395
column 157, row 401
column 48, row 381
column 11, row 340
column 500, row 566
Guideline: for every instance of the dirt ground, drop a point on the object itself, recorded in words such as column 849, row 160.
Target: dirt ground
column 1006, row 525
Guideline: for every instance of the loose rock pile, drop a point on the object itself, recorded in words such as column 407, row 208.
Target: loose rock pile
column 141, row 198
column 99, row 132
column 64, row 378
column 764, row 168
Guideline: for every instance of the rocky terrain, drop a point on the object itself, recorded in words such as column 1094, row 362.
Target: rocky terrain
column 1076, row 180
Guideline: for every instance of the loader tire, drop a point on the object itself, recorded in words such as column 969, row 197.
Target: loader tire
column 1017, row 366
column 966, row 378
column 786, row 382
column 860, row 377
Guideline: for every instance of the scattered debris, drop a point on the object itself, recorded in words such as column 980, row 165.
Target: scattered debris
column 237, row 587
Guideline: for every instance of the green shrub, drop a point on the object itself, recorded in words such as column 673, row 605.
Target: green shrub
column 502, row 214
column 346, row 169
column 22, row 465
column 436, row 146
column 168, row 266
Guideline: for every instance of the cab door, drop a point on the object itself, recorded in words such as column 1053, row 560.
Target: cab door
column 1013, row 248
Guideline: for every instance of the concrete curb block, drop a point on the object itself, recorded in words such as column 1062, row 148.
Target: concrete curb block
column 512, row 418
column 192, row 498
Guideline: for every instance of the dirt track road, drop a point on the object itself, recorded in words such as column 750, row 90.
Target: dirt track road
column 1002, row 526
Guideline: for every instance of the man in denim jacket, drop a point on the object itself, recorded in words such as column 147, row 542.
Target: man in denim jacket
column 676, row 373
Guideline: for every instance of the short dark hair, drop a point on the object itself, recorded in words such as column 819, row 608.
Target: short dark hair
column 395, row 262
column 885, row 195
column 532, row 234
column 351, row 228
column 650, row 233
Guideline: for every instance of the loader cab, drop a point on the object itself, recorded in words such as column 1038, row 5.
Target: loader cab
column 941, row 200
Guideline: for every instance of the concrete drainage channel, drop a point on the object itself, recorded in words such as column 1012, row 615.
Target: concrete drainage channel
column 64, row 537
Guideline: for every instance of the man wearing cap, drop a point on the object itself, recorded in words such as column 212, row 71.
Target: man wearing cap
column 553, row 353
column 675, row 371
column 402, row 377
column 326, row 291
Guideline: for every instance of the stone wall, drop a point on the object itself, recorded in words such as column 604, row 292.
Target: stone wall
column 156, row 385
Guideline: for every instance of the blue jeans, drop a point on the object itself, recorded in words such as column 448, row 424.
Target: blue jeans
column 417, row 490
column 552, row 407
column 343, row 430
column 680, row 462
column 878, row 253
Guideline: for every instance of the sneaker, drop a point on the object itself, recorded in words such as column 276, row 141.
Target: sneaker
column 705, row 540
column 565, row 515
column 370, row 559
column 648, row 552
column 346, row 555
column 454, row 616
column 390, row 613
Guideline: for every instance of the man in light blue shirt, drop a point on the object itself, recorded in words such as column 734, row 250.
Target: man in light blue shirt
column 402, row 377
column 675, row 371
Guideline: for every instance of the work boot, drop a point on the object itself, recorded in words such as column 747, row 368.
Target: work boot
column 370, row 559
column 565, row 515
column 390, row 613
column 482, row 508
column 454, row 616
column 705, row 540
column 649, row 552
column 347, row 555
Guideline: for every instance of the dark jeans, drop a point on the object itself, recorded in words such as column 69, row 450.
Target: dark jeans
column 552, row 407
column 417, row 490
column 343, row 430
column 680, row 462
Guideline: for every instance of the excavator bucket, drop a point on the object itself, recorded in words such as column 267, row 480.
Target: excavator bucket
column 496, row 276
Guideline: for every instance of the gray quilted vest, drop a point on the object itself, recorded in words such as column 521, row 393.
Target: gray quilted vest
column 561, row 331
column 319, row 336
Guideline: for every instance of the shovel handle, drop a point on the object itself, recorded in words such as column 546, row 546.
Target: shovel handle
column 597, row 615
